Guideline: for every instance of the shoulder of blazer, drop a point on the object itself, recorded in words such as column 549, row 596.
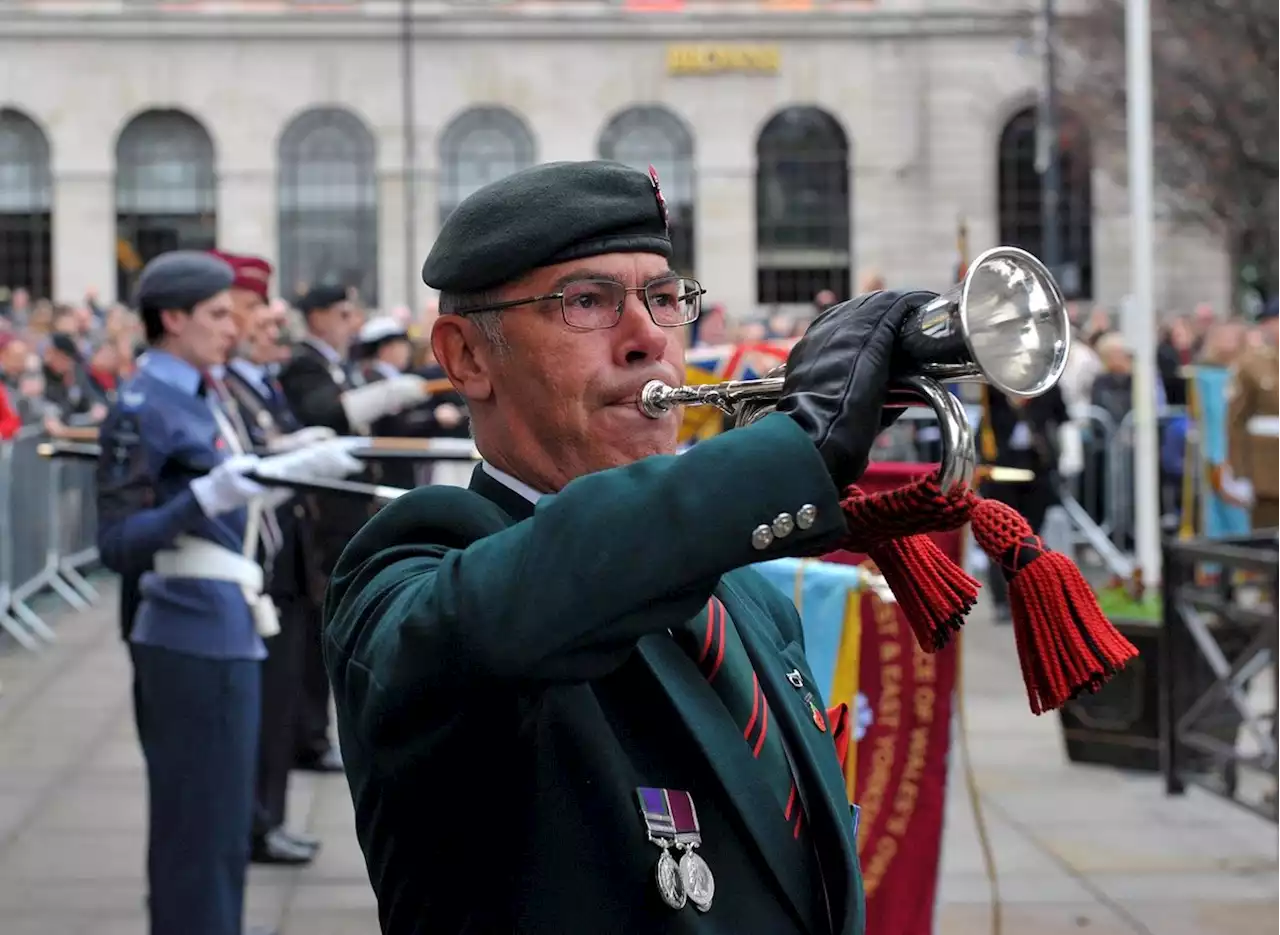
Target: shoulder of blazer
column 441, row 518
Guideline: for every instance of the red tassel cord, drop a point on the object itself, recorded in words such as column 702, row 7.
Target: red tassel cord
column 1065, row 644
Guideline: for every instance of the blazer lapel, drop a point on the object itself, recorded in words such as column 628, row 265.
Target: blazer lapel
column 729, row 757
column 813, row 754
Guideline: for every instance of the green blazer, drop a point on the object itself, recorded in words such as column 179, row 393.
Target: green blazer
column 505, row 680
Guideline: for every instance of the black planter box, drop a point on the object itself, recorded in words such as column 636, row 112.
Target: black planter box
column 1120, row 724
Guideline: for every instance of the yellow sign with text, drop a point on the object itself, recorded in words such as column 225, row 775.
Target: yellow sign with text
column 722, row 59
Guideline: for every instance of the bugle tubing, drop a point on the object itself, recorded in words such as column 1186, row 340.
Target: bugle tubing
column 1005, row 324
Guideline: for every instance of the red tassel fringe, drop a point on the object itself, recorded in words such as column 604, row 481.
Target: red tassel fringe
column 933, row 591
column 1065, row 644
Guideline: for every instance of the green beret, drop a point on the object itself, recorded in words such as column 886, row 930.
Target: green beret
column 547, row 214
column 182, row 279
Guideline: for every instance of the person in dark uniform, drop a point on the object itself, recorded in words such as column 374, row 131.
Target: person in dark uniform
column 385, row 353
column 292, row 582
column 323, row 389
column 566, row 704
column 175, row 508
column 1025, row 433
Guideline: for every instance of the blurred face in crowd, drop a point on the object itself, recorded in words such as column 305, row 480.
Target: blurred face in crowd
column 1204, row 317
column 713, row 328
column 14, row 358
column 559, row 401
column 336, row 325
column 205, row 336
column 64, row 322
column 82, row 319
column 20, row 300
column 1180, row 335
column 1269, row 328
column 1099, row 321
column 826, row 298
column 1223, row 344
column 58, row 362
column 268, row 338
column 1115, row 356
column 244, row 309
column 106, row 359
column 396, row 353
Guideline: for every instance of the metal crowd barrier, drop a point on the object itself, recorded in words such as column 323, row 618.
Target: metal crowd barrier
column 48, row 531
column 1218, row 660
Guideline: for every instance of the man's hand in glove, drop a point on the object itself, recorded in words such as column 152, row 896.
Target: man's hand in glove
column 838, row 376
column 226, row 488
column 329, row 460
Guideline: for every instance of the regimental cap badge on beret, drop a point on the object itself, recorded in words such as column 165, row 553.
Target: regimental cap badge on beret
column 662, row 202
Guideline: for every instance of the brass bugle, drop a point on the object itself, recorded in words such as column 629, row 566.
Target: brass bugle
column 1005, row 324
column 81, row 451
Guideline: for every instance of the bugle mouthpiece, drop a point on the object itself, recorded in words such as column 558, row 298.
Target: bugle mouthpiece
column 657, row 399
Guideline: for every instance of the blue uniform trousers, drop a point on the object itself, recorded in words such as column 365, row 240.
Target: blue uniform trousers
column 198, row 722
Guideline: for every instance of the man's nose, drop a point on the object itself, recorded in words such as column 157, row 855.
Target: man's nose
column 641, row 338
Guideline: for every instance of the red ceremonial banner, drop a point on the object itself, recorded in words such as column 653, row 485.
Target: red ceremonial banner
column 896, row 770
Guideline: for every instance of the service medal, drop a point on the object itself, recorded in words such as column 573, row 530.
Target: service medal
column 670, row 880
column 695, row 876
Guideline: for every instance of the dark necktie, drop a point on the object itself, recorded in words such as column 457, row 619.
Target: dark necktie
column 713, row 642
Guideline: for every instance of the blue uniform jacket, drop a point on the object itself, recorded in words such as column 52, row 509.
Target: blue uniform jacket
column 158, row 437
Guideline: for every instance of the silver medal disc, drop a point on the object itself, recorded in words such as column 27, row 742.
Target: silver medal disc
column 669, row 881
column 696, row 880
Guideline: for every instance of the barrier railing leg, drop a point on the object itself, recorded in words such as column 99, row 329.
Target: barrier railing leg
column 67, row 593
column 19, row 633
column 33, row 622
column 72, row 576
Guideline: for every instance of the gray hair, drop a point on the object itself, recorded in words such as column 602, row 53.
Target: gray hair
column 489, row 323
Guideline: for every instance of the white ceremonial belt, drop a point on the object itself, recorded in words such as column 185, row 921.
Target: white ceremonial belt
column 200, row 558
column 208, row 561
column 1266, row 426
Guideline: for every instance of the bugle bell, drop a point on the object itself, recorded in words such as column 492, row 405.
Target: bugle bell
column 1005, row 324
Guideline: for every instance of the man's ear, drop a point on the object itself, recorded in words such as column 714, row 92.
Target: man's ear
column 458, row 348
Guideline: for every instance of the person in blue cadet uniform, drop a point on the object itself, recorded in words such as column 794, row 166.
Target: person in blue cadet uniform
column 565, row 703
column 180, row 516
column 260, row 411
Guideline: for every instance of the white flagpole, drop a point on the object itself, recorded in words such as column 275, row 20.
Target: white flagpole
column 1140, row 322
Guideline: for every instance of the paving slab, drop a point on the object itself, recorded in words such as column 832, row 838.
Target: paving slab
column 1084, row 850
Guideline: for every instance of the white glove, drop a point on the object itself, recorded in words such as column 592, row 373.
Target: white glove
column 301, row 439
column 325, row 461
column 367, row 404
column 225, row 488
column 1239, row 489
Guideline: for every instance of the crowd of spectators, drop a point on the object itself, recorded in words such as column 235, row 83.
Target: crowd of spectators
column 61, row 364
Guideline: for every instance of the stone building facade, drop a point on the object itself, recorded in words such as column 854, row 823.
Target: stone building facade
column 801, row 143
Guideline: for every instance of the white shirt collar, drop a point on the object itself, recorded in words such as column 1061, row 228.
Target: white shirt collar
column 324, row 348
column 511, row 483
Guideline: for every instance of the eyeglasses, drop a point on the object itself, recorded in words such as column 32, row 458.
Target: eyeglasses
column 595, row 304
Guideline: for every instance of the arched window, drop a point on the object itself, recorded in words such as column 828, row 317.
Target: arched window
column 653, row 136
column 328, row 196
column 802, row 207
column 26, row 201
column 480, row 146
column 1020, row 198
column 166, row 191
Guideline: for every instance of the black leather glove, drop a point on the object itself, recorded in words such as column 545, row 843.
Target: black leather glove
column 838, row 375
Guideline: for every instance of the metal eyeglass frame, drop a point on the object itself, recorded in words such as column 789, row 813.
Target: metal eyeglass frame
column 641, row 291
